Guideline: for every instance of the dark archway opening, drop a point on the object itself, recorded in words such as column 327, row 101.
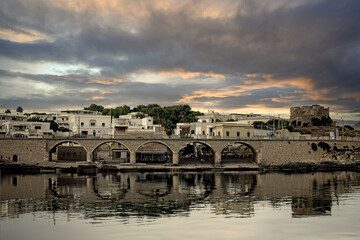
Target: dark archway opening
column 111, row 152
column 15, row 158
column 154, row 153
column 237, row 153
column 196, row 153
column 68, row 152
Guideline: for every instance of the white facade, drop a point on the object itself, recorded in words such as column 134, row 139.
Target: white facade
column 22, row 129
column 90, row 125
column 132, row 124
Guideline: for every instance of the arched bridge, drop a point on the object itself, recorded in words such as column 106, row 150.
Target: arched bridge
column 174, row 145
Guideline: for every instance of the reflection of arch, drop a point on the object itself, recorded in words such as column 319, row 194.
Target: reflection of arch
column 110, row 141
column 148, row 185
column 197, row 157
column 154, row 156
column 53, row 148
column 95, row 189
column 242, row 156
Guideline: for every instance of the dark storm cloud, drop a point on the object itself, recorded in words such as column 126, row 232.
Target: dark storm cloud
column 318, row 40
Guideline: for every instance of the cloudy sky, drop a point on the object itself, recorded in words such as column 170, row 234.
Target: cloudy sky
column 260, row 56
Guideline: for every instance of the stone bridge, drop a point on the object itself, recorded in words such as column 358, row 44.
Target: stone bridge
column 175, row 145
column 268, row 152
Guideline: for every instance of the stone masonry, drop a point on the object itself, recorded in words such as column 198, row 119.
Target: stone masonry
column 267, row 152
column 303, row 115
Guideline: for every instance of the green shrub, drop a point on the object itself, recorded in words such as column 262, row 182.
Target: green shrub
column 314, row 146
column 324, row 146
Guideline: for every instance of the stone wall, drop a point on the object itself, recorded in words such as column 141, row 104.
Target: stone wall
column 30, row 151
column 267, row 152
column 297, row 151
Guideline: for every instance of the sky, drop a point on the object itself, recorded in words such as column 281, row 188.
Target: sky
column 243, row 56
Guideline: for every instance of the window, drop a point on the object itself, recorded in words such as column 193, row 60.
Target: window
column 219, row 133
column 227, row 134
column 238, row 134
column 37, row 127
column 192, row 132
column 82, row 124
column 103, row 124
column 248, row 134
column 203, row 132
column 92, row 123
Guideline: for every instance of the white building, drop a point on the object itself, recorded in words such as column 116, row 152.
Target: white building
column 134, row 125
column 15, row 125
column 90, row 125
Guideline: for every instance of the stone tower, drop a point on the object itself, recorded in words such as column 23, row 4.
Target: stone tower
column 300, row 116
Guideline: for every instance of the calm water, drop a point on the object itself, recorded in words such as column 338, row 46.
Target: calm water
column 231, row 205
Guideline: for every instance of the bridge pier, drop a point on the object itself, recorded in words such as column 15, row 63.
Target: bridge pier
column 217, row 157
column 132, row 157
column 175, row 159
column 89, row 157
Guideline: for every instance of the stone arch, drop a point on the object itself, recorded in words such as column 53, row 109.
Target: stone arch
column 53, row 148
column 160, row 156
column 202, row 157
column 121, row 157
column 15, row 158
column 241, row 156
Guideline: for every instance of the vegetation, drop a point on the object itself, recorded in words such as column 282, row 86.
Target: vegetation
column 314, row 146
column 53, row 125
column 270, row 124
column 19, row 109
column 348, row 127
column 7, row 111
column 304, row 131
column 324, row 146
column 62, row 129
column 324, row 121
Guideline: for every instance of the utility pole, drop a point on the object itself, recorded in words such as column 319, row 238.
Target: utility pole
column 343, row 128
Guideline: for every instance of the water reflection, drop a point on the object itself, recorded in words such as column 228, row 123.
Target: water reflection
column 124, row 195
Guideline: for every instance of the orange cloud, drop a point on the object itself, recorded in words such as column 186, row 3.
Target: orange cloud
column 101, row 95
column 353, row 95
column 21, row 36
column 103, row 81
column 140, row 10
column 251, row 84
column 186, row 75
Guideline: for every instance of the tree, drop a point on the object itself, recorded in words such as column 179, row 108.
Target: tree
column 62, row 129
column 140, row 115
column 258, row 124
column 19, row 109
column 53, row 125
column 94, row 107
column 7, row 111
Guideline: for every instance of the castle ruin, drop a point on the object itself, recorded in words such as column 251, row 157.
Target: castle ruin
column 302, row 116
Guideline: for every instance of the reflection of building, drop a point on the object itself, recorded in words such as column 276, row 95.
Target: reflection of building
column 311, row 206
